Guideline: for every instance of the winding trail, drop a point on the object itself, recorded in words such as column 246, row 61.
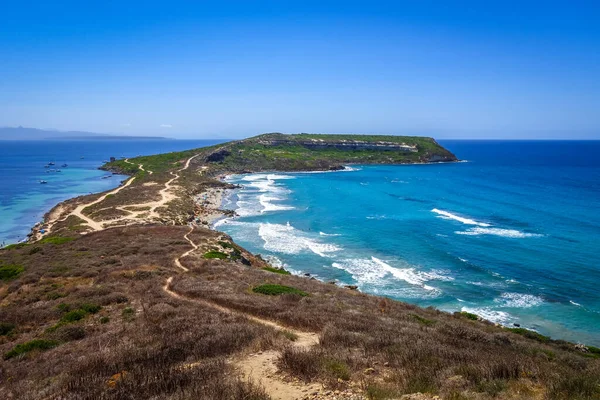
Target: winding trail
column 259, row 368
column 165, row 194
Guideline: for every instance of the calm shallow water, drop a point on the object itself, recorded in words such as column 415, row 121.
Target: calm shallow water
column 24, row 201
column 512, row 235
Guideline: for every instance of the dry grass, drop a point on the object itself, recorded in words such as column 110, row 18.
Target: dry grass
column 396, row 348
column 140, row 344
column 143, row 343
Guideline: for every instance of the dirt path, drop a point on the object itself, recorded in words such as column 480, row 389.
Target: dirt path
column 166, row 196
column 259, row 368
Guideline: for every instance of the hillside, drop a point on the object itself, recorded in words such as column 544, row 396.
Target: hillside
column 128, row 295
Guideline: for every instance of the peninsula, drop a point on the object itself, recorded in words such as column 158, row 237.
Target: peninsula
column 130, row 294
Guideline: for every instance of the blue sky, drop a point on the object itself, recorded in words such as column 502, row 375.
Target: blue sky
column 228, row 69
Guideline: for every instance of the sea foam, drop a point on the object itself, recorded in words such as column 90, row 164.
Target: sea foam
column 286, row 239
column 507, row 233
column 467, row 221
column 519, row 300
column 375, row 270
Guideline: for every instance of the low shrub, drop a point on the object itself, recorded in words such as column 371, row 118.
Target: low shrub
column 530, row 334
column 422, row 320
column 275, row 290
column 215, row 254
column 15, row 246
column 338, row 369
column 69, row 333
column 6, row 328
column 104, row 320
column 468, row 315
column 73, row 316
column 90, row 308
column 128, row 313
column 36, row 344
column 277, row 270
column 10, row 271
column 56, row 240
column 289, row 335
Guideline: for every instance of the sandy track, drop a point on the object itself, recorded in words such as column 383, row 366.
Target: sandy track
column 165, row 193
column 259, row 368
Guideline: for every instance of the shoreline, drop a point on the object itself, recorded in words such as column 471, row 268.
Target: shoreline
column 512, row 324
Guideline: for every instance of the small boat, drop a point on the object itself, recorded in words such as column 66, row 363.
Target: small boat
column 46, row 166
column 64, row 165
column 42, row 181
column 58, row 170
column 50, row 163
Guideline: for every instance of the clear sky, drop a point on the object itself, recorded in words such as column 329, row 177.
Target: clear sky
column 469, row 69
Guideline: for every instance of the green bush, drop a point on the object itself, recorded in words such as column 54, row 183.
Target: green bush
column 215, row 254
column 15, row 246
column 422, row 320
column 55, row 295
column 338, row 369
column 90, row 308
column 36, row 344
column 277, row 270
column 128, row 314
column 6, row 328
column 468, row 315
column 10, row 271
column 73, row 316
column 104, row 320
column 56, row 240
column 274, row 290
column 530, row 334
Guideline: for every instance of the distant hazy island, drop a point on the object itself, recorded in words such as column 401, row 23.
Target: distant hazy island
column 22, row 133
column 130, row 294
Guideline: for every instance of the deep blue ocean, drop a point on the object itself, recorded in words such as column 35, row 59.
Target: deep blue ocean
column 24, row 201
column 512, row 234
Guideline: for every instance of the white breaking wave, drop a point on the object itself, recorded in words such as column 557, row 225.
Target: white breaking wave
column 575, row 304
column 507, row 233
column 499, row 317
column 482, row 228
column 285, row 239
column 374, row 271
column 519, row 300
column 329, row 234
column 265, row 202
column 448, row 215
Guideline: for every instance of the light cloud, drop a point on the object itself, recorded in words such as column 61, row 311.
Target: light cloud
column 126, row 125
column 166, row 125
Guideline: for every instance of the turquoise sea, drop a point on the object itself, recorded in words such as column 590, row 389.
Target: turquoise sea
column 512, row 234
column 24, row 201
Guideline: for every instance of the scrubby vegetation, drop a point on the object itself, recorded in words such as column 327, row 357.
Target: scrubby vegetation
column 281, row 271
column 36, row 344
column 215, row 254
column 275, row 290
column 10, row 271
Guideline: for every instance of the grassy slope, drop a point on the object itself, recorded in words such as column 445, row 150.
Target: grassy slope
column 100, row 297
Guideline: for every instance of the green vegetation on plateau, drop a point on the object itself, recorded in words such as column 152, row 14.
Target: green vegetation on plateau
column 277, row 151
